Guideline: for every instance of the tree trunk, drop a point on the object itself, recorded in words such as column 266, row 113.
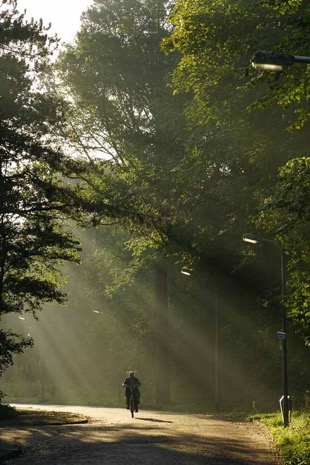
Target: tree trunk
column 161, row 337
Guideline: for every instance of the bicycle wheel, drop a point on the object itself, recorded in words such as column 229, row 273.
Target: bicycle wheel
column 132, row 406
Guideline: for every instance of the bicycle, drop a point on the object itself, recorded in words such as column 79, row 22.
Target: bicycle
column 133, row 401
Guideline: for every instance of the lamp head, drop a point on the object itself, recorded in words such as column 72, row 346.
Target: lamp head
column 251, row 238
column 271, row 61
column 186, row 272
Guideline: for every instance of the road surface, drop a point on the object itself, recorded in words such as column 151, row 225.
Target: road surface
column 112, row 437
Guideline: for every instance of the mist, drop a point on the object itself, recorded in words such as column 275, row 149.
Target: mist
column 220, row 348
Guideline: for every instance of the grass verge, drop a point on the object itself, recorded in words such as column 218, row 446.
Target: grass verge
column 293, row 442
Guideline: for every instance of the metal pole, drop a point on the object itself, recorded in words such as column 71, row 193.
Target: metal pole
column 216, row 386
column 284, row 339
column 284, row 346
column 301, row 59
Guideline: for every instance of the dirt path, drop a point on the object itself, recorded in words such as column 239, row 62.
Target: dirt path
column 152, row 438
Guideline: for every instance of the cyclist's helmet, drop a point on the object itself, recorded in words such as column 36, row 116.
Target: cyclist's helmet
column 131, row 374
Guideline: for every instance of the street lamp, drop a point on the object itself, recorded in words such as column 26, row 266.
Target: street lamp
column 275, row 61
column 254, row 239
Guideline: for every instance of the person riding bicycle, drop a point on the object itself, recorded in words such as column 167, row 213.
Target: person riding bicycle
column 132, row 382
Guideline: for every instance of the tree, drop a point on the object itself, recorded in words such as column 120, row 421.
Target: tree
column 171, row 187
column 34, row 198
column 286, row 214
column 216, row 41
column 126, row 123
column 183, row 192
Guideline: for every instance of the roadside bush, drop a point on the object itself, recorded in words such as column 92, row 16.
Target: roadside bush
column 7, row 412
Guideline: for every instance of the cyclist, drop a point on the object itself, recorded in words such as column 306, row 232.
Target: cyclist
column 132, row 382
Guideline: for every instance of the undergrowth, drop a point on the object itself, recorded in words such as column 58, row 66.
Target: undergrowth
column 7, row 412
column 293, row 441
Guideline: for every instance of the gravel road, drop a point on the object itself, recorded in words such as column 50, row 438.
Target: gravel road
column 151, row 438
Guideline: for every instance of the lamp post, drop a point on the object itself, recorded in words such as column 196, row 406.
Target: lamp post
column 254, row 239
column 216, row 354
column 275, row 61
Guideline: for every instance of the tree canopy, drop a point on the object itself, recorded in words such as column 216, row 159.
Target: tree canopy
column 34, row 198
column 170, row 136
column 216, row 40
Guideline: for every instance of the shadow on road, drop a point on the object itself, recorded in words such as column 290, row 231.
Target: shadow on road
column 157, row 442
column 155, row 420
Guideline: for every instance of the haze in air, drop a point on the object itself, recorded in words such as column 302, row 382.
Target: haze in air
column 179, row 151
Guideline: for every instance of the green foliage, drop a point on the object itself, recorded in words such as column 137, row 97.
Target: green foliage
column 287, row 215
column 11, row 343
column 7, row 412
column 108, row 326
column 127, row 119
column 34, row 198
column 293, row 441
column 217, row 39
column 160, row 180
column 185, row 192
